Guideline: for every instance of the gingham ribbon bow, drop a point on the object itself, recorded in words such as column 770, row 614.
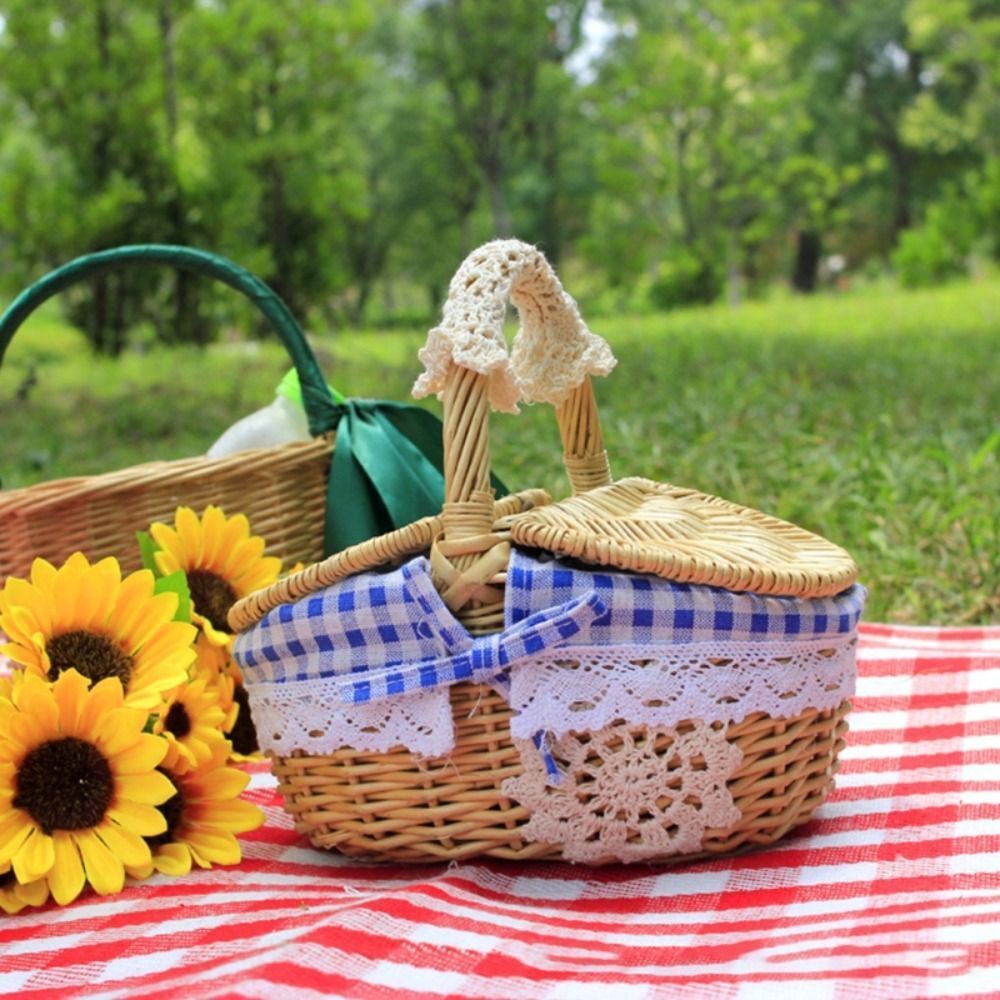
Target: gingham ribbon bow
column 483, row 659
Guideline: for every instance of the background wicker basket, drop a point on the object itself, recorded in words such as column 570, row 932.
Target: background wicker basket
column 398, row 806
column 282, row 490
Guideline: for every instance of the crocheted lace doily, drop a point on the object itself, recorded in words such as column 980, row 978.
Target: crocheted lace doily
column 554, row 350
column 629, row 794
column 588, row 687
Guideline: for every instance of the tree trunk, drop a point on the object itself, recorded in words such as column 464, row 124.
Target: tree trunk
column 808, row 250
column 98, row 328
column 493, row 170
column 188, row 325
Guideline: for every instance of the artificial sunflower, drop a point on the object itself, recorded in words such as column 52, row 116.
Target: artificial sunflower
column 192, row 720
column 78, row 784
column 14, row 897
column 202, row 817
column 221, row 560
column 86, row 617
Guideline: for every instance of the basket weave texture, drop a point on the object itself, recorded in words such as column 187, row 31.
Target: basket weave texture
column 282, row 490
column 399, row 806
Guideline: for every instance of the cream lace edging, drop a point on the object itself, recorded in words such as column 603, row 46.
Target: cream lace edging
column 554, row 350
column 588, row 687
column 573, row 689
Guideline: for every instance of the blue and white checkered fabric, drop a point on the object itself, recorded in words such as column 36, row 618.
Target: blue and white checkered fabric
column 389, row 634
column 645, row 610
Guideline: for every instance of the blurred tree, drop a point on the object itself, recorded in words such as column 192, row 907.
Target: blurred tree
column 488, row 56
column 701, row 111
column 269, row 90
column 78, row 85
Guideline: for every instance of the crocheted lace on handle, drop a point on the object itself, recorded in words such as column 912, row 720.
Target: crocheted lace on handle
column 554, row 350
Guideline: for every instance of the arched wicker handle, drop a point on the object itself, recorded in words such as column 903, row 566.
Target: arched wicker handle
column 321, row 409
column 554, row 354
column 470, row 355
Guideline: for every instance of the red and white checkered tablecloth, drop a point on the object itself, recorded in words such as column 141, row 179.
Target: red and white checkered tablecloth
column 892, row 891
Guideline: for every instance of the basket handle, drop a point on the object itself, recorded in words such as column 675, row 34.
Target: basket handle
column 322, row 411
column 553, row 358
column 467, row 365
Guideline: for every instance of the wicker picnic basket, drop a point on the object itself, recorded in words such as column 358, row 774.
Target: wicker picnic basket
column 486, row 795
column 283, row 490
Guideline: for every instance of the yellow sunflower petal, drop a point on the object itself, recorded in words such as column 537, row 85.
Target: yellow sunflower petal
column 212, row 523
column 23, row 627
column 209, row 634
column 34, row 893
column 237, row 816
column 43, row 574
column 172, row 859
column 97, row 596
column 191, row 536
column 66, row 879
column 103, row 698
column 69, row 691
column 65, row 597
column 140, row 872
column 104, row 869
column 15, row 828
column 18, row 593
column 172, row 644
column 39, row 708
column 136, row 610
column 213, row 848
column 124, row 844
column 141, row 757
column 237, row 528
column 171, row 549
column 151, row 788
column 145, row 820
column 34, row 858
column 223, row 783
column 10, row 902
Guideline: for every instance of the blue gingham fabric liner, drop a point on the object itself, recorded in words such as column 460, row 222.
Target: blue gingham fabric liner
column 647, row 610
column 384, row 635
column 387, row 634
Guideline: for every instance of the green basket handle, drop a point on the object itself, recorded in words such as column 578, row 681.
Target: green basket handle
column 322, row 410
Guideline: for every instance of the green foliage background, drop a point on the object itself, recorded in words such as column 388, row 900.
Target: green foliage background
column 663, row 154
column 351, row 152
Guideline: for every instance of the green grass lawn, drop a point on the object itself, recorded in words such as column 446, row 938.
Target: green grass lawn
column 872, row 418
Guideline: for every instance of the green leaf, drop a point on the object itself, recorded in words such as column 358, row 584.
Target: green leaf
column 176, row 583
column 148, row 549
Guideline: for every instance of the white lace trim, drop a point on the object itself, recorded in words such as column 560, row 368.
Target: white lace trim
column 554, row 350
column 309, row 716
column 588, row 687
column 574, row 689
column 629, row 794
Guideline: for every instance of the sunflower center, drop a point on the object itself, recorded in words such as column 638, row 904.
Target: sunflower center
column 172, row 811
column 243, row 734
column 212, row 596
column 95, row 656
column 178, row 721
column 64, row 784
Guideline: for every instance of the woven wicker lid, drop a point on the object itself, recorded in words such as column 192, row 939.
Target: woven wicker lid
column 688, row 537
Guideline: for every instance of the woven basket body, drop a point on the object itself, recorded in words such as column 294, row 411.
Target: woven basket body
column 282, row 490
column 398, row 805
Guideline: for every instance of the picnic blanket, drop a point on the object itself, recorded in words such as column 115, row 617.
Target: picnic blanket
column 893, row 890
